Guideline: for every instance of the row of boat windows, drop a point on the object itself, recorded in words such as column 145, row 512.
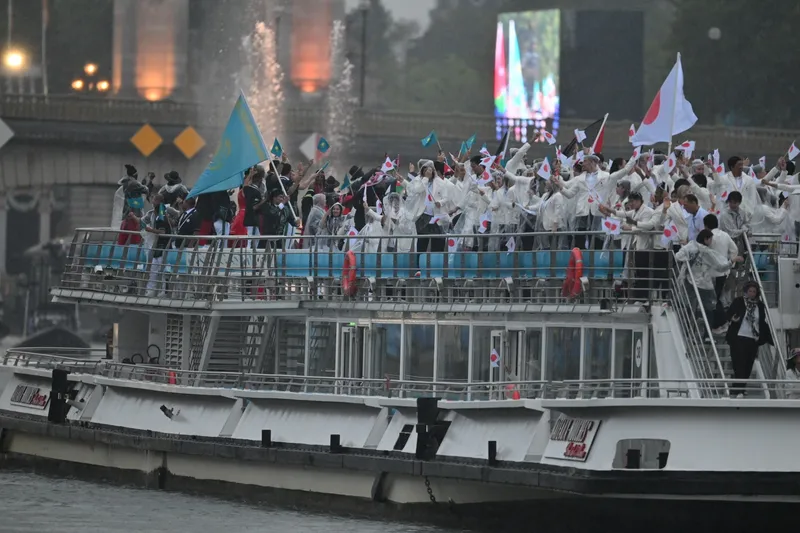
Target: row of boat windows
column 464, row 353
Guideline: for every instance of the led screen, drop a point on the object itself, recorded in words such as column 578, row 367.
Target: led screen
column 526, row 71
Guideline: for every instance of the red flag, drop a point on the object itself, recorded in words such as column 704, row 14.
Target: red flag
column 598, row 142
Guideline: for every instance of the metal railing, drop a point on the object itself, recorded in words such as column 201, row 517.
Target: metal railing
column 697, row 335
column 389, row 388
column 771, row 357
column 268, row 269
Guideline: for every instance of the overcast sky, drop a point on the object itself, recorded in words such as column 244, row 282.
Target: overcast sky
column 403, row 9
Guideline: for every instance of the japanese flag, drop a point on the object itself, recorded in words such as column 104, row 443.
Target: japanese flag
column 452, row 244
column 544, row 170
column 511, row 244
column 388, row 165
column 688, row 148
column 612, row 226
column 484, row 152
column 352, row 233
column 672, row 162
column 379, row 207
column 793, row 152
column 488, row 161
column 580, row 135
column 631, row 132
column 437, row 219
column 651, row 159
column 549, row 137
column 637, row 152
column 715, row 157
column 484, row 178
column 483, row 225
column 720, row 169
column 671, row 232
column 494, row 359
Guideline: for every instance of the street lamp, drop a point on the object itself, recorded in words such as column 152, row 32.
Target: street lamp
column 15, row 60
column 89, row 84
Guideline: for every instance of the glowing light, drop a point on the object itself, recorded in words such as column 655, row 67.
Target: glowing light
column 311, row 45
column 103, row 86
column 14, row 60
column 78, row 85
column 156, row 48
column 154, row 95
column 90, row 69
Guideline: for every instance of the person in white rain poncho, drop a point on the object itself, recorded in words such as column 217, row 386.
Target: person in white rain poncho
column 372, row 232
column 589, row 189
column 333, row 224
column 313, row 225
column 399, row 222
column 504, row 215
column 552, row 217
column 706, row 264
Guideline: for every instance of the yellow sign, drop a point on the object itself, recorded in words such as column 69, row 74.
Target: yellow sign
column 189, row 142
column 147, row 140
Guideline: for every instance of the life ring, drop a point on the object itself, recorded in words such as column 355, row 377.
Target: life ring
column 572, row 285
column 349, row 287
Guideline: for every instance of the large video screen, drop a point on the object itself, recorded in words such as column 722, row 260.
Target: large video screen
column 526, row 71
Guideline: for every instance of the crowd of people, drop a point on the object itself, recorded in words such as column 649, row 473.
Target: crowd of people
column 663, row 202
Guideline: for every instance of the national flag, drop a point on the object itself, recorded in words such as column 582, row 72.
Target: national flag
column 452, row 244
column 437, row 219
column 322, row 145
column 549, row 137
column 715, row 157
column 763, row 162
column 277, row 149
column 631, row 132
column 511, row 244
column 448, row 171
column 352, row 232
column 483, row 223
column 388, row 165
column 544, row 170
column 484, row 151
column 611, row 226
column 720, row 169
column 651, row 159
column 430, row 139
column 463, row 149
column 240, row 148
column 670, row 231
column 580, row 135
column 597, row 146
column 488, row 161
column 793, row 152
column 688, row 148
column 670, row 109
column 672, row 162
column 469, row 142
column 137, row 202
column 591, row 131
column 345, row 183
column 379, row 206
column 637, row 152
column 494, row 359
column 503, row 148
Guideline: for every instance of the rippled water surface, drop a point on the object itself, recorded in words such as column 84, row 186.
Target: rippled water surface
column 30, row 503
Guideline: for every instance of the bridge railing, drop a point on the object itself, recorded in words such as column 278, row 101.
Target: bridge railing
column 458, row 269
column 369, row 122
column 392, row 388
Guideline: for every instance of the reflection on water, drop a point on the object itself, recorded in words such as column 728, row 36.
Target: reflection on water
column 42, row 504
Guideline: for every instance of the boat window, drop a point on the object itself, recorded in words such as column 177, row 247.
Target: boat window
column 642, row 454
column 531, row 365
column 453, row 353
column 481, row 352
column 322, row 349
column 291, row 347
column 563, row 354
column 420, row 343
column 597, row 353
column 385, row 351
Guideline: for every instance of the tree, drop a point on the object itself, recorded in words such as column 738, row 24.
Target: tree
column 744, row 77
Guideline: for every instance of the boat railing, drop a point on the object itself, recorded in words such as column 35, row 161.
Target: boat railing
column 518, row 268
column 772, row 358
column 592, row 389
column 700, row 347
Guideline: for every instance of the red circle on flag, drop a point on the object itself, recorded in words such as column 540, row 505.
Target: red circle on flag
column 653, row 112
column 667, row 233
column 485, row 223
column 451, row 242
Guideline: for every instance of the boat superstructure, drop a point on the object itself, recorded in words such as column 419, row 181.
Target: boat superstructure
column 244, row 360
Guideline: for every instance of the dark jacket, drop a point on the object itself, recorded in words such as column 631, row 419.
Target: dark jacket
column 739, row 309
column 252, row 215
column 275, row 220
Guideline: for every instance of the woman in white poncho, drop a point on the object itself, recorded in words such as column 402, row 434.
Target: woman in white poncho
column 399, row 222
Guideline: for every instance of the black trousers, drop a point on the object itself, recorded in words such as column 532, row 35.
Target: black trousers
column 642, row 276
column 743, row 355
column 719, row 312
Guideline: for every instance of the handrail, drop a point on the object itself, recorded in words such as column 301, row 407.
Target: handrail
column 776, row 363
column 699, row 340
column 610, row 388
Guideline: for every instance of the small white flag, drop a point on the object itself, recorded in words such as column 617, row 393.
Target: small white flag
column 651, row 159
column 671, row 232
column 580, row 156
column 436, row 219
column 631, row 132
column 637, row 153
column 483, row 226
column 388, row 165
column 793, row 152
column 494, row 359
column 452, row 244
column 549, row 137
column 715, row 157
column 763, row 162
column 580, row 135
column 720, row 169
column 594, row 197
column 511, row 244
column 352, row 233
column 365, row 194
column 484, row 152
column 688, row 148
column 612, row 226
column 379, row 207
column 545, row 172
column 672, row 162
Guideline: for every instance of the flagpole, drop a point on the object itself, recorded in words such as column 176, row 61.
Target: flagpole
column 602, row 127
column 271, row 162
column 674, row 102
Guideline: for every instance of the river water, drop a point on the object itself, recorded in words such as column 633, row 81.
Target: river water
column 31, row 503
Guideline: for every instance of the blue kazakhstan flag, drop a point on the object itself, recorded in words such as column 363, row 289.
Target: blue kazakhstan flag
column 241, row 147
column 430, row 139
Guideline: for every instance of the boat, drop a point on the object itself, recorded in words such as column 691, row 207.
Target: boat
column 487, row 378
